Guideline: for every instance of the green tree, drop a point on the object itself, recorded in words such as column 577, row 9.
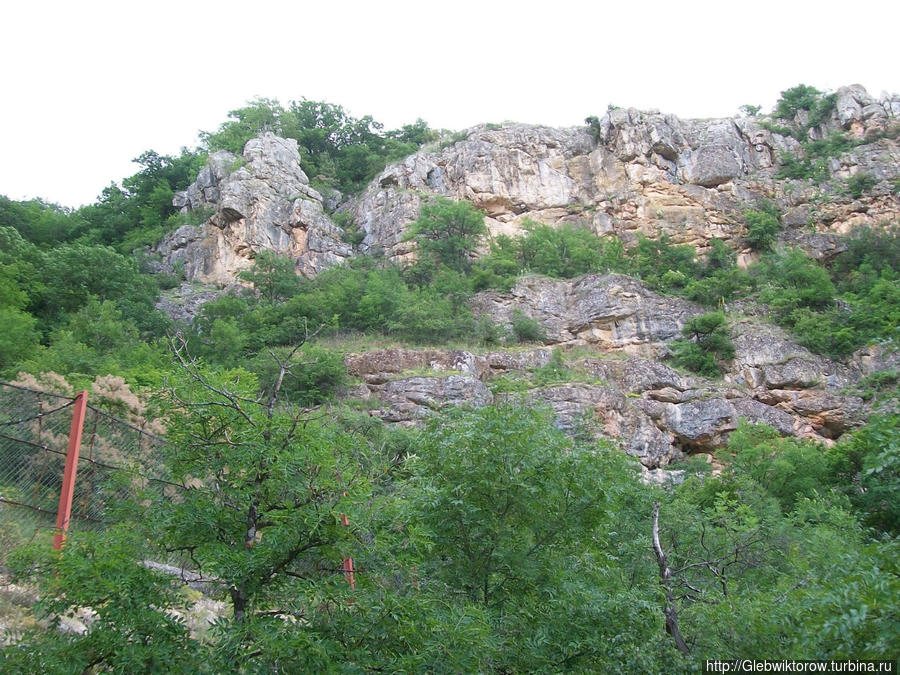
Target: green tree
column 795, row 99
column 39, row 222
column 515, row 521
column 260, row 114
column 449, row 232
column 132, row 628
column 263, row 490
column 794, row 280
column 20, row 337
column 502, row 507
column 763, row 225
column 274, row 276
column 706, row 343
column 662, row 265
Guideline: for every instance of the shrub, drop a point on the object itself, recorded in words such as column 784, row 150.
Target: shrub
column 762, row 227
column 488, row 332
column 860, row 183
column 706, row 342
column 554, row 371
column 314, row 376
column 449, row 232
column 796, row 168
column 795, row 99
column 795, row 280
column 525, row 328
column 718, row 287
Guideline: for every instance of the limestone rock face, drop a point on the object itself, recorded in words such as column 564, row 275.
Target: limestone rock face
column 631, row 173
column 506, row 172
column 637, row 375
column 260, row 201
column 412, row 398
column 612, row 311
column 380, row 366
column 765, row 357
column 651, row 411
column 582, row 407
column 185, row 302
column 638, row 173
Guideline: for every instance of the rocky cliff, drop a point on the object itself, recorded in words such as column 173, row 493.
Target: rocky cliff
column 615, row 386
column 626, row 174
column 261, row 200
column 629, row 173
column 649, row 173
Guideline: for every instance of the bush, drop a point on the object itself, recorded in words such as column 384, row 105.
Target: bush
column 315, row 374
column 526, row 329
column 802, row 169
column 860, row 183
column 719, row 287
column 795, row 280
column 762, row 226
column 706, row 343
column 449, row 232
column 488, row 332
column 795, row 99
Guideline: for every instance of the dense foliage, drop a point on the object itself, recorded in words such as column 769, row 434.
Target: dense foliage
column 705, row 345
column 762, row 226
column 492, row 543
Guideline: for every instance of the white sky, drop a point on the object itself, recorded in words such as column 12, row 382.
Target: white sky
column 89, row 85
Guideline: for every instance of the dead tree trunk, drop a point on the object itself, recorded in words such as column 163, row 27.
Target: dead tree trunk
column 665, row 580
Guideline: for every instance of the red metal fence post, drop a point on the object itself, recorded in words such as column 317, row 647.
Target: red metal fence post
column 63, row 513
column 348, row 562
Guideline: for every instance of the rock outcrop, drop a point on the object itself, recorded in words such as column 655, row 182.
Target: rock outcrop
column 627, row 174
column 612, row 311
column 640, row 173
column 260, row 201
column 654, row 413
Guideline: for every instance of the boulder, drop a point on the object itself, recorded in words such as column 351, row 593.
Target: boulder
column 766, row 357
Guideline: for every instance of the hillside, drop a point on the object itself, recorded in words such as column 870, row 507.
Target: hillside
column 625, row 176
column 619, row 397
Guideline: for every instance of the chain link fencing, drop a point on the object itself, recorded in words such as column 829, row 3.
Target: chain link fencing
column 118, row 462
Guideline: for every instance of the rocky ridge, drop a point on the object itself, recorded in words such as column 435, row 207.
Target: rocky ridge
column 261, row 200
column 641, row 172
column 653, row 412
column 619, row 390
column 629, row 173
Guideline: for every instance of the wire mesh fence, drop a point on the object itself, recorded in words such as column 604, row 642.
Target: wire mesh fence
column 117, row 462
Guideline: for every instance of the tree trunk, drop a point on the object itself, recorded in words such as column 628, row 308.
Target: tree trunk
column 665, row 580
column 239, row 602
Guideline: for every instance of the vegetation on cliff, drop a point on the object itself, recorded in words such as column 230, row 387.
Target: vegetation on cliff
column 487, row 540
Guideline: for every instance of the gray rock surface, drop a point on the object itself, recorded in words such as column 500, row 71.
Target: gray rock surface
column 766, row 357
column 380, row 366
column 652, row 412
column 413, row 398
column 604, row 412
column 185, row 302
column 612, row 311
column 261, row 201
